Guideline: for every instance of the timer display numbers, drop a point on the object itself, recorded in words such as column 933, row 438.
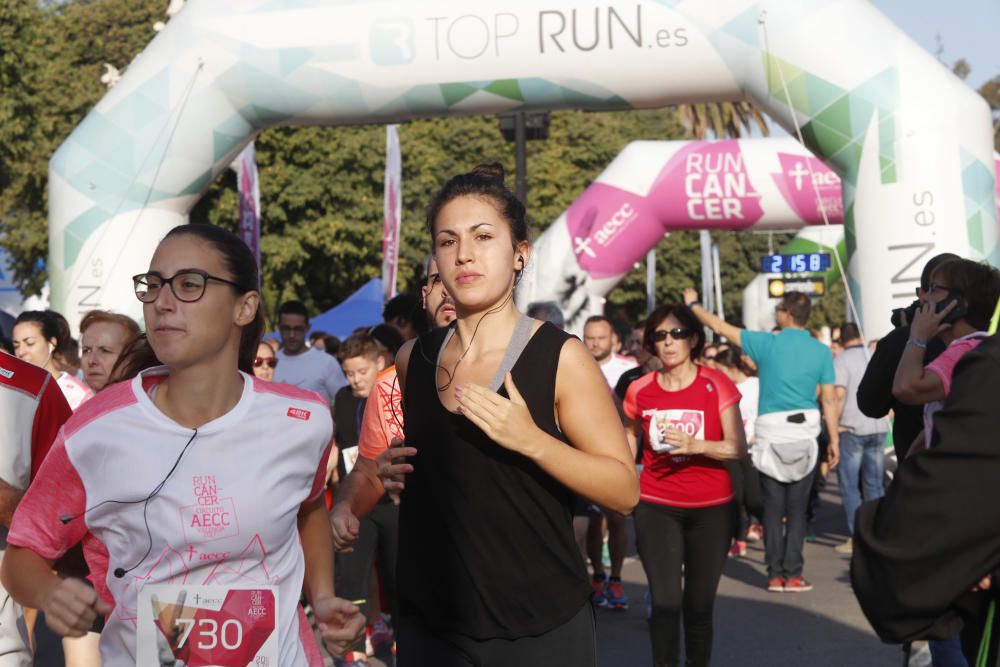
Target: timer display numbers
column 802, row 262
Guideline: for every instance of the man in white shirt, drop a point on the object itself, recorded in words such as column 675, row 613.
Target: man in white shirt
column 303, row 366
column 600, row 338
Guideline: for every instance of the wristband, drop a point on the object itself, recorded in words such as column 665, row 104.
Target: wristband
column 693, row 304
column 922, row 344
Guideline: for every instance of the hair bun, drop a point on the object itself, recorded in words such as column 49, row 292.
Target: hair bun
column 491, row 171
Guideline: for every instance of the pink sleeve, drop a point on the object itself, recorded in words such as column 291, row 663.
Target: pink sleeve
column 319, row 481
column 57, row 491
column 944, row 365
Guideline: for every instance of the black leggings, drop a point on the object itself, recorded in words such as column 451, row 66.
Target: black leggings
column 378, row 533
column 697, row 539
column 572, row 643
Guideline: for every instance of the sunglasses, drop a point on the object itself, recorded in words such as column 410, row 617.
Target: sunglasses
column 679, row 333
column 261, row 361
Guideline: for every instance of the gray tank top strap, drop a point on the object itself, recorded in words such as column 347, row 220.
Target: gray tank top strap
column 518, row 341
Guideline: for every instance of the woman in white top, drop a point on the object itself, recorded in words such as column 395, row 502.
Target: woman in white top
column 730, row 361
column 38, row 339
column 195, row 489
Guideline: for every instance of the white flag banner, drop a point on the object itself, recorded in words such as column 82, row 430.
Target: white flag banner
column 249, row 193
column 393, row 211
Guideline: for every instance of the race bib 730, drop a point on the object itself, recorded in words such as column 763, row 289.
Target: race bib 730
column 207, row 626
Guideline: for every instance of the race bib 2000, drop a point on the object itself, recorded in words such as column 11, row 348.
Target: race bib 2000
column 207, row 626
column 691, row 422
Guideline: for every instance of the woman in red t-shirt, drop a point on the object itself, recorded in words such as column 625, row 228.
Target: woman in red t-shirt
column 690, row 418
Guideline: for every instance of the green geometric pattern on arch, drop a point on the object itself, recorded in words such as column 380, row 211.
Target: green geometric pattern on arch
column 802, row 244
column 980, row 210
column 527, row 91
column 838, row 119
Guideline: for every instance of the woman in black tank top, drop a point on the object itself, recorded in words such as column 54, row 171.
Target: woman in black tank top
column 488, row 570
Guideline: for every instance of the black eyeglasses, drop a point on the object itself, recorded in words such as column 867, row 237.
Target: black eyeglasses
column 261, row 361
column 188, row 285
column 679, row 333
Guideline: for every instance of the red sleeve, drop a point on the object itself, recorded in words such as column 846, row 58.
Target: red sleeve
column 319, row 481
column 52, row 413
column 630, row 405
column 729, row 395
column 57, row 491
column 383, row 418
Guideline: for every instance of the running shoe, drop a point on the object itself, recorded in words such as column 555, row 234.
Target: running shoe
column 845, row 548
column 599, row 582
column 616, row 595
column 381, row 632
column 755, row 532
column 776, row 584
column 738, row 549
column 797, row 585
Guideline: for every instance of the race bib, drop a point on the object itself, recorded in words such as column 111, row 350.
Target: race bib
column 691, row 422
column 207, row 626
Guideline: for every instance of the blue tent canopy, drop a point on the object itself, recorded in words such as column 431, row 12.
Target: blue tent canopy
column 361, row 309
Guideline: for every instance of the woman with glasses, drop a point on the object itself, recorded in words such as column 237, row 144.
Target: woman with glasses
column 689, row 415
column 198, row 531
column 265, row 361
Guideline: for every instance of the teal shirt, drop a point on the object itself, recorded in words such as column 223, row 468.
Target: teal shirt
column 790, row 364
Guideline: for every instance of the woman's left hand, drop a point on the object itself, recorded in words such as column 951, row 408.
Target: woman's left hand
column 341, row 623
column 684, row 443
column 505, row 421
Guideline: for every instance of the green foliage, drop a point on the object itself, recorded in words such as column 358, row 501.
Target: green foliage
column 321, row 187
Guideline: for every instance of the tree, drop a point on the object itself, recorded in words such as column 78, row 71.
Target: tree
column 723, row 119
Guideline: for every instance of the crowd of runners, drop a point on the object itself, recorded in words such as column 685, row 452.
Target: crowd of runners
column 455, row 485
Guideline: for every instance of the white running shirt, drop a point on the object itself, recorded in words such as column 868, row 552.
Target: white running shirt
column 226, row 516
column 614, row 367
column 74, row 389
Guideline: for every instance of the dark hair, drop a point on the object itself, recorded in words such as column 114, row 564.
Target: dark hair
column 358, row 345
column 682, row 314
column 594, row 319
column 242, row 267
column 331, row 344
column 978, row 283
column 798, row 305
column 849, row 331
column 933, row 263
column 316, row 335
column 293, row 307
column 5, row 343
column 732, row 357
column 485, row 181
column 408, row 307
column 388, row 337
column 48, row 324
column 548, row 311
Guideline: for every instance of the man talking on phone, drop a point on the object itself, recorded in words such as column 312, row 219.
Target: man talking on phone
column 793, row 367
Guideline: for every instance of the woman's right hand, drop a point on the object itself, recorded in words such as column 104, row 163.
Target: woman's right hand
column 345, row 527
column 71, row 607
column 392, row 468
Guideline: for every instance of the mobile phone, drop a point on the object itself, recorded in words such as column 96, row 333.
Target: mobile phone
column 797, row 418
column 960, row 310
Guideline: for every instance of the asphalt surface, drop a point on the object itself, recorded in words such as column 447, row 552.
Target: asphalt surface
column 755, row 628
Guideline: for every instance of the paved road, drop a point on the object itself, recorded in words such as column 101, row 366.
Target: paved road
column 754, row 628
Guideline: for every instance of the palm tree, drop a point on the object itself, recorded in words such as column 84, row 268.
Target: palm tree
column 723, row 119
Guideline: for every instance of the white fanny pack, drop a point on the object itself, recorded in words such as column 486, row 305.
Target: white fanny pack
column 786, row 444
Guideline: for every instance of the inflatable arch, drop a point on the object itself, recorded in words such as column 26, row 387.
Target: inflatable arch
column 911, row 141
column 654, row 187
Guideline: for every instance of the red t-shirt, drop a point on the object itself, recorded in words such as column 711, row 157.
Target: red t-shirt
column 682, row 481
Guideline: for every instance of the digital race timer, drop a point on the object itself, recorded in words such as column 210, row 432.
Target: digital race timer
column 803, row 262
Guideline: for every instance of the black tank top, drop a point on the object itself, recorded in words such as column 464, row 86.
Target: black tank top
column 486, row 545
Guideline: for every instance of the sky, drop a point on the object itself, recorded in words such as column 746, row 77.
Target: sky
column 967, row 28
